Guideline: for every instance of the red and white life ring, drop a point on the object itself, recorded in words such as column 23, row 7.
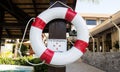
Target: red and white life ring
column 57, row 58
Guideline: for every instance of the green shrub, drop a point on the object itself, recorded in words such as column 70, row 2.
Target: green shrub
column 116, row 44
column 24, row 48
column 21, row 61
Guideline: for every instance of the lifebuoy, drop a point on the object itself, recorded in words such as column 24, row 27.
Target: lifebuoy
column 57, row 58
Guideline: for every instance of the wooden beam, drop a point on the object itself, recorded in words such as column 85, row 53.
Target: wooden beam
column 12, row 25
column 15, row 11
column 38, row 3
column 2, row 14
column 32, row 3
column 15, row 36
column 74, row 4
column 35, row 7
column 8, row 33
column 22, row 32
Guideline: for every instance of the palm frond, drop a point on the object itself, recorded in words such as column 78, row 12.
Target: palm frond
column 93, row 1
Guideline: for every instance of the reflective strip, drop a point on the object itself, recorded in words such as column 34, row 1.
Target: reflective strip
column 47, row 55
column 81, row 45
column 39, row 23
column 70, row 15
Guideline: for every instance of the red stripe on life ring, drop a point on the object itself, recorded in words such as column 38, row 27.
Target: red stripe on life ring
column 70, row 15
column 81, row 45
column 47, row 55
column 39, row 23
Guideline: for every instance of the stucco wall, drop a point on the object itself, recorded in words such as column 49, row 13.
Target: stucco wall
column 109, row 62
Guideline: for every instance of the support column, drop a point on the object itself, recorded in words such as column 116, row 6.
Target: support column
column 98, row 44
column 1, row 22
column 16, row 48
column 93, row 43
column 103, row 43
column 0, row 37
column 57, row 30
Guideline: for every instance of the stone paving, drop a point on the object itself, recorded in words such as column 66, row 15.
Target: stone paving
column 79, row 66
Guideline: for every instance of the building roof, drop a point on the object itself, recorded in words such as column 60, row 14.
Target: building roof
column 94, row 15
column 106, row 24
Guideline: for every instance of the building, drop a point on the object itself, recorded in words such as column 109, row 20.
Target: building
column 103, row 30
column 92, row 19
column 106, row 35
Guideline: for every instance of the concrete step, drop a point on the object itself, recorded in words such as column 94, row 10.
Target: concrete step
column 79, row 66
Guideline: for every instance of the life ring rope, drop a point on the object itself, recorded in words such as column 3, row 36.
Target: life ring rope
column 19, row 49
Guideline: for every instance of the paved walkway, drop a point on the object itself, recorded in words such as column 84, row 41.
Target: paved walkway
column 79, row 66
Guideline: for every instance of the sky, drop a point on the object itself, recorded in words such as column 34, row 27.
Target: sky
column 102, row 7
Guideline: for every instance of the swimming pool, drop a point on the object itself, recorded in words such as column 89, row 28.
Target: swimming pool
column 16, row 68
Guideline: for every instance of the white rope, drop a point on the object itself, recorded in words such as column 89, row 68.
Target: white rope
column 60, row 3
column 19, row 50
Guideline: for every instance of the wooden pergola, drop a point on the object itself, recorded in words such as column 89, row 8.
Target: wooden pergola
column 14, row 15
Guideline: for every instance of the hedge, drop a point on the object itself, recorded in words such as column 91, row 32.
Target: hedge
column 21, row 61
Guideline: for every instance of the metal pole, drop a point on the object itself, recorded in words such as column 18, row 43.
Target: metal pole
column 93, row 42
column 117, row 29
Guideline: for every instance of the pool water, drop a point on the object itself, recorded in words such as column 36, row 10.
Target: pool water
column 16, row 68
column 17, row 71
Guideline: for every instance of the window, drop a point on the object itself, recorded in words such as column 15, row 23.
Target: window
column 91, row 22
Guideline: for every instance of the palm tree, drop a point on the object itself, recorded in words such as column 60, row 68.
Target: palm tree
column 93, row 1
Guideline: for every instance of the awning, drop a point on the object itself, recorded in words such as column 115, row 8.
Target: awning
column 106, row 24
